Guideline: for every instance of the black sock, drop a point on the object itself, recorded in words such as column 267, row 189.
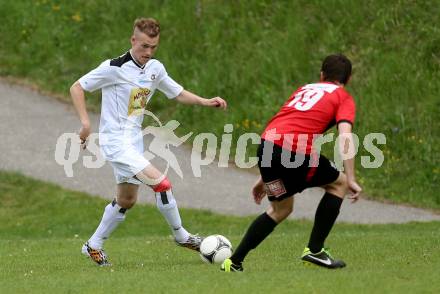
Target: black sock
column 257, row 232
column 325, row 217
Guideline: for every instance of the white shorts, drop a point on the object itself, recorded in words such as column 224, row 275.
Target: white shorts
column 126, row 163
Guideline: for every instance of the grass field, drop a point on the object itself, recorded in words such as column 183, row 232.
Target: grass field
column 42, row 228
column 255, row 53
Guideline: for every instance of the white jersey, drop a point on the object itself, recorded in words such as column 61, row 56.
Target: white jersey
column 126, row 89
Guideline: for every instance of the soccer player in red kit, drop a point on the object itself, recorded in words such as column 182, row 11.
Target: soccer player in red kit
column 289, row 163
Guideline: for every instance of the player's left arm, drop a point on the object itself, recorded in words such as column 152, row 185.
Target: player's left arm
column 346, row 147
column 345, row 117
column 186, row 97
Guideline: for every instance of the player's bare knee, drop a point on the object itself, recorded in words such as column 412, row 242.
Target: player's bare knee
column 279, row 213
column 285, row 212
column 126, row 201
column 338, row 187
column 343, row 183
column 128, row 204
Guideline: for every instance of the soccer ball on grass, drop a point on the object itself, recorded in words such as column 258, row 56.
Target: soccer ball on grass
column 215, row 249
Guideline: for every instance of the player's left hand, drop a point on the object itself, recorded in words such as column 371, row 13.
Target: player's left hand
column 355, row 190
column 217, row 102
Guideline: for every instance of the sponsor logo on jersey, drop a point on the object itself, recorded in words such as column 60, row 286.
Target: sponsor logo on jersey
column 138, row 101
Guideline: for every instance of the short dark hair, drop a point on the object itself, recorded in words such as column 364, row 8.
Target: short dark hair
column 148, row 26
column 336, row 68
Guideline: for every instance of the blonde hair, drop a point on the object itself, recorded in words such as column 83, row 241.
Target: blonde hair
column 148, row 26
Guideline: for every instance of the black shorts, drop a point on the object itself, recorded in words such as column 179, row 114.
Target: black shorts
column 283, row 181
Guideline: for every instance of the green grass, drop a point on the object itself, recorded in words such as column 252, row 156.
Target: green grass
column 255, row 53
column 43, row 226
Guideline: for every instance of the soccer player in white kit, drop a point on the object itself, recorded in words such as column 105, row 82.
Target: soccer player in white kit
column 127, row 83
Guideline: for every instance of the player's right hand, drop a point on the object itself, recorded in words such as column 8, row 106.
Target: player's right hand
column 84, row 133
column 217, row 102
column 355, row 190
column 258, row 192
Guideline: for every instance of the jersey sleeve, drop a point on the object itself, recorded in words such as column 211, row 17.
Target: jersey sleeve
column 102, row 76
column 346, row 111
column 167, row 85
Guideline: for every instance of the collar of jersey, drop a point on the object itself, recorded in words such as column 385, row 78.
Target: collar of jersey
column 333, row 83
column 135, row 62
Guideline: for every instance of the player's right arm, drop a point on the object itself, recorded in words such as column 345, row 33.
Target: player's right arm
column 102, row 76
column 79, row 102
column 346, row 144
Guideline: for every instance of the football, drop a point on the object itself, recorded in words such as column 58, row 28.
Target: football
column 215, row 249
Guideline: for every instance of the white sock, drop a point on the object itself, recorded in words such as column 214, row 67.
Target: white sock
column 168, row 207
column 112, row 217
